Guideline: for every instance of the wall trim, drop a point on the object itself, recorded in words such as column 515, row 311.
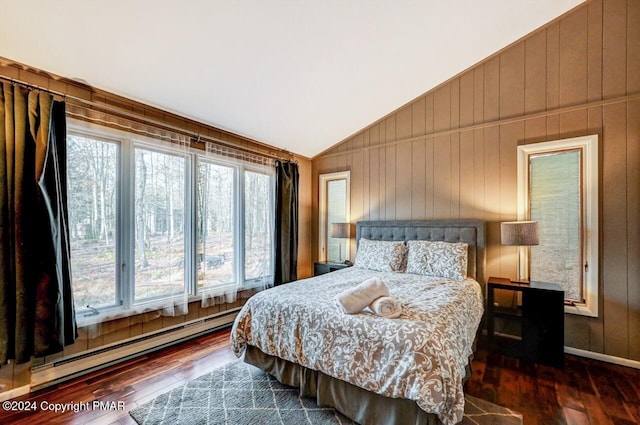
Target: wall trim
column 15, row 392
column 493, row 123
column 602, row 357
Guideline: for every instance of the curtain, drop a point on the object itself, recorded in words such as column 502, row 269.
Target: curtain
column 286, row 229
column 36, row 305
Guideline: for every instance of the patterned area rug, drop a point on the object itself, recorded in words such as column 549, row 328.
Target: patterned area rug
column 240, row 394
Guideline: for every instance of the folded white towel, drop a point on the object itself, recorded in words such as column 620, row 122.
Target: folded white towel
column 386, row 307
column 353, row 300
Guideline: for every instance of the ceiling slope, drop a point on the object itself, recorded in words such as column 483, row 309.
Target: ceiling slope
column 298, row 75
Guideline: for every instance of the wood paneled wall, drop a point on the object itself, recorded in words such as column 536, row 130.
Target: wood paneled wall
column 305, row 218
column 451, row 153
column 14, row 376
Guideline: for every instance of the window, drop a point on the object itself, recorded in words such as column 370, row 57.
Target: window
column 334, row 208
column 93, row 216
column 257, row 225
column 555, row 203
column 215, row 225
column 558, row 188
column 159, row 224
column 140, row 235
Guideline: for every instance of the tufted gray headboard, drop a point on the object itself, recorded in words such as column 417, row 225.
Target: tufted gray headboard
column 471, row 232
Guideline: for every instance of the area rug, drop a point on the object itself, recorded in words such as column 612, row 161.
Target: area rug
column 240, row 394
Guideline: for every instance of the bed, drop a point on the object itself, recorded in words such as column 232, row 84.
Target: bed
column 375, row 370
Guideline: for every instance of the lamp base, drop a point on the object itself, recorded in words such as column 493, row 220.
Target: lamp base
column 522, row 267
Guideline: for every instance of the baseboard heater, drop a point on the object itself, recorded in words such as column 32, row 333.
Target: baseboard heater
column 71, row 367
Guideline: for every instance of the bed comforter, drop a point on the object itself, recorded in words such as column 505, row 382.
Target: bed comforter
column 419, row 356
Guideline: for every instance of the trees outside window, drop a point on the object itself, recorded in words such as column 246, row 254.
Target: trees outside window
column 159, row 224
column 92, row 166
column 215, row 221
column 257, row 227
column 151, row 223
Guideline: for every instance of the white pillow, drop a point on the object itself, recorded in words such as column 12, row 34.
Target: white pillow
column 382, row 256
column 437, row 258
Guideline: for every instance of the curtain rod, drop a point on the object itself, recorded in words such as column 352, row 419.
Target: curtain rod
column 195, row 138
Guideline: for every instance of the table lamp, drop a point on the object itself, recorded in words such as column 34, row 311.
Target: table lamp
column 520, row 234
column 340, row 231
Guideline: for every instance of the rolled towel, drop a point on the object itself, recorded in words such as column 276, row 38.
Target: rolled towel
column 353, row 300
column 386, row 307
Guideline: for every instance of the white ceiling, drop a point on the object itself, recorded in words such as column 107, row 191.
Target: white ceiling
column 301, row 75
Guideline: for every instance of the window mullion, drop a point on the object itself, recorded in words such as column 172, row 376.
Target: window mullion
column 127, row 232
column 120, row 269
column 239, row 236
column 190, row 227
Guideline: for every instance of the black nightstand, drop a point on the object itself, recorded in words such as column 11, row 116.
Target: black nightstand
column 533, row 331
column 322, row 267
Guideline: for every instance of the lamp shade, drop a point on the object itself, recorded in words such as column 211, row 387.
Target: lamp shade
column 341, row 230
column 522, row 233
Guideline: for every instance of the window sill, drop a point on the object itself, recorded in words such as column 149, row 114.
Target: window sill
column 580, row 310
column 102, row 316
column 115, row 313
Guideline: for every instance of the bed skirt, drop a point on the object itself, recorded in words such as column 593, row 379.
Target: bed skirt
column 362, row 406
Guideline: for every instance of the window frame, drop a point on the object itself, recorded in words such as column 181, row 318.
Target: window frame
column 126, row 143
column 75, row 129
column 590, row 204
column 251, row 283
column 239, row 225
column 130, row 253
column 203, row 159
column 324, row 179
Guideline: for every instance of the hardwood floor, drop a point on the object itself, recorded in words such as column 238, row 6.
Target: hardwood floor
column 134, row 382
column 584, row 392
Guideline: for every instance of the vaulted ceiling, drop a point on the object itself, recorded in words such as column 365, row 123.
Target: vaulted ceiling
column 296, row 74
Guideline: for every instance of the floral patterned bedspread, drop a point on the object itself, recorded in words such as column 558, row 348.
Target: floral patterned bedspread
column 419, row 356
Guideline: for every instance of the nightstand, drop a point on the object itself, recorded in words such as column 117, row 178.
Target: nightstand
column 533, row 330
column 322, row 267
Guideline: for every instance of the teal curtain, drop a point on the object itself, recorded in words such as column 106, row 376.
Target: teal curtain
column 36, row 303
